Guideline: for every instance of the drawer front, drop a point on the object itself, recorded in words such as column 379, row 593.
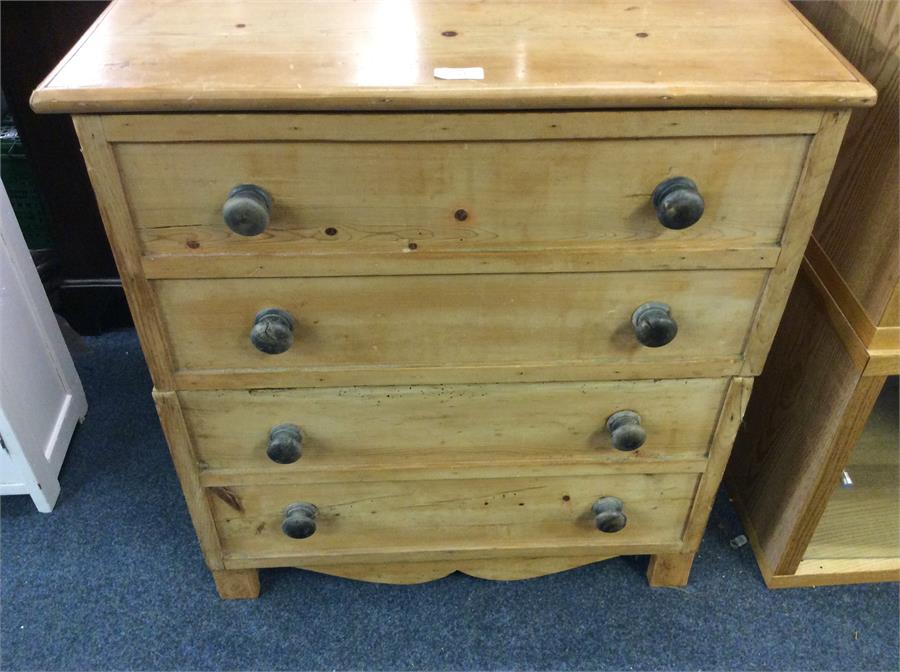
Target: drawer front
column 466, row 196
column 450, row 425
column 361, row 521
column 453, row 321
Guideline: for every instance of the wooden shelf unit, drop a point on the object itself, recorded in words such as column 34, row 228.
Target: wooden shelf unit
column 822, row 404
column 860, row 527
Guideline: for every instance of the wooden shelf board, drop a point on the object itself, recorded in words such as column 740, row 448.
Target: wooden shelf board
column 862, row 522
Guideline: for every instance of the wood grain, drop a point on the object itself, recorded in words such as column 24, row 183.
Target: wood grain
column 111, row 199
column 891, row 315
column 803, row 420
column 857, row 227
column 830, row 309
column 550, row 258
column 813, row 182
column 503, row 569
column 736, row 399
column 445, row 126
column 523, row 372
column 874, row 350
column 340, row 197
column 237, row 584
column 669, row 570
column 488, row 251
column 440, row 519
column 863, row 520
column 180, row 448
column 380, row 323
column 165, row 56
column 452, row 425
column 811, row 573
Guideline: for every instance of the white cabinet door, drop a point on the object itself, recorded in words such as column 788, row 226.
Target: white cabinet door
column 41, row 398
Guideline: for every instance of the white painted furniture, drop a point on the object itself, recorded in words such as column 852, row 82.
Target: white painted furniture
column 41, row 398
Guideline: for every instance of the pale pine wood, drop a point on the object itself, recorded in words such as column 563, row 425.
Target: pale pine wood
column 415, row 471
column 397, row 555
column 550, row 258
column 179, row 443
column 360, row 521
column 457, row 126
column 669, row 570
column 810, row 573
column 857, row 227
column 443, row 322
column 813, row 181
column 729, row 420
column 863, row 521
column 368, row 55
column 673, row 570
column 330, row 376
column 402, row 196
column 237, row 584
column 512, row 424
column 841, row 572
column 105, row 179
column 503, row 569
column 537, row 283
column 505, row 243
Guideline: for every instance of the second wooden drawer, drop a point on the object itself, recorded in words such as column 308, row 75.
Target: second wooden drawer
column 450, row 321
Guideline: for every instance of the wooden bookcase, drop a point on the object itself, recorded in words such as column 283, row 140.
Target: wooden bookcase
column 827, row 399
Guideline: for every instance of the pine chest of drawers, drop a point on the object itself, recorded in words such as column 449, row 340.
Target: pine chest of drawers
column 401, row 325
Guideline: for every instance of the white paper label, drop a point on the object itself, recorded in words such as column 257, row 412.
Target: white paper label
column 459, row 73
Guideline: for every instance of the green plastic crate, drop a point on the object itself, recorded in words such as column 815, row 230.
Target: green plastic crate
column 20, row 186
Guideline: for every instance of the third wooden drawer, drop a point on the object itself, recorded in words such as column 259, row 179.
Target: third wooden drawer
column 445, row 426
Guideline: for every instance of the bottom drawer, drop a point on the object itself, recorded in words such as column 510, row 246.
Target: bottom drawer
column 460, row 517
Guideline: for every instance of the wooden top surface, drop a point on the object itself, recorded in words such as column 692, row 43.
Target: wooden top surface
column 189, row 55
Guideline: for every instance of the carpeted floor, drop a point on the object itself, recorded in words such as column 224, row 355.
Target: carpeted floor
column 113, row 579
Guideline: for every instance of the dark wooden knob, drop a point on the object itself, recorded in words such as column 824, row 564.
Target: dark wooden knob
column 273, row 331
column 285, row 443
column 678, row 203
column 608, row 514
column 300, row 520
column 653, row 324
column 247, row 210
column 626, row 431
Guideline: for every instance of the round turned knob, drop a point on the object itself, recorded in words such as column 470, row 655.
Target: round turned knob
column 678, row 203
column 653, row 324
column 247, row 210
column 608, row 514
column 285, row 443
column 626, row 431
column 299, row 520
column 273, row 331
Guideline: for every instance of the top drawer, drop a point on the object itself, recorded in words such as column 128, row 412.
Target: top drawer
column 372, row 186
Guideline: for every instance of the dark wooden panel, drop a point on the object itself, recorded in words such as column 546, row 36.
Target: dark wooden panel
column 857, row 225
column 806, row 411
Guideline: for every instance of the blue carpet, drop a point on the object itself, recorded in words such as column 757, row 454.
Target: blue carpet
column 113, row 579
